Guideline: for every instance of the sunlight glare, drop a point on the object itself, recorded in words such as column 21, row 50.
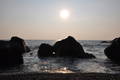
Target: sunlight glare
column 64, row 13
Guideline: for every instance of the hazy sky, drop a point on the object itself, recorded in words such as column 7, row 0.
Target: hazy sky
column 40, row 19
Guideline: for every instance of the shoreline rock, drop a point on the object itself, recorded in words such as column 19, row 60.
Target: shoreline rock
column 45, row 50
column 68, row 47
column 113, row 50
column 11, row 52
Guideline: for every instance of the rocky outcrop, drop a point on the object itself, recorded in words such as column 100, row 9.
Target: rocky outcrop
column 113, row 50
column 45, row 50
column 11, row 52
column 69, row 47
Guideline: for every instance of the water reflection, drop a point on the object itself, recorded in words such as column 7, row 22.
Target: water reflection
column 63, row 70
column 115, row 68
column 38, row 68
column 65, row 65
column 52, row 66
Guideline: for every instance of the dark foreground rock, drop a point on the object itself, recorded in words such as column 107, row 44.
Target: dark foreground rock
column 113, row 50
column 11, row 52
column 59, row 76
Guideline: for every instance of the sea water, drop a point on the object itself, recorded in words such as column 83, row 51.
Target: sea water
column 66, row 65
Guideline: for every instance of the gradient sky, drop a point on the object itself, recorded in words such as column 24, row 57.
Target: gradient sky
column 39, row 19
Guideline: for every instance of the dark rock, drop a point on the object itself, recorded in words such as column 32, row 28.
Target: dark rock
column 19, row 44
column 69, row 47
column 11, row 52
column 45, row 50
column 113, row 50
column 106, row 41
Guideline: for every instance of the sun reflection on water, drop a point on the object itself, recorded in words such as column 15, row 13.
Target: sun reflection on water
column 63, row 70
column 48, row 69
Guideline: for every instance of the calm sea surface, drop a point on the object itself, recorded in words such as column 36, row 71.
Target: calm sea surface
column 66, row 65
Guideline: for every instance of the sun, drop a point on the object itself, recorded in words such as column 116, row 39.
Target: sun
column 64, row 13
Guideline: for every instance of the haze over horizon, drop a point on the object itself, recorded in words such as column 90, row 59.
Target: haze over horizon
column 57, row 19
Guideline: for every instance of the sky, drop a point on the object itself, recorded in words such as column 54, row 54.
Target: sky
column 40, row 19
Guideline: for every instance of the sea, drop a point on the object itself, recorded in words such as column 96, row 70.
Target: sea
column 101, row 64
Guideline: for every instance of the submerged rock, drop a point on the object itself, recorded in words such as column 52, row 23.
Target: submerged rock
column 113, row 50
column 45, row 50
column 106, row 41
column 11, row 52
column 69, row 47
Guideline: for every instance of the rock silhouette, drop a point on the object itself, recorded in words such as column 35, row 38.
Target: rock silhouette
column 106, row 41
column 11, row 52
column 69, row 47
column 45, row 50
column 113, row 50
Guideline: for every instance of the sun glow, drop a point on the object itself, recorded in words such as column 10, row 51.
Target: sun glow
column 64, row 14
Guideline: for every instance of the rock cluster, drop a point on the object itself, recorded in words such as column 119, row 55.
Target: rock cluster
column 68, row 47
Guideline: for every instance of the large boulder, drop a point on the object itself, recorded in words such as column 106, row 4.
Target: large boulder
column 69, row 47
column 113, row 50
column 11, row 52
column 45, row 50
